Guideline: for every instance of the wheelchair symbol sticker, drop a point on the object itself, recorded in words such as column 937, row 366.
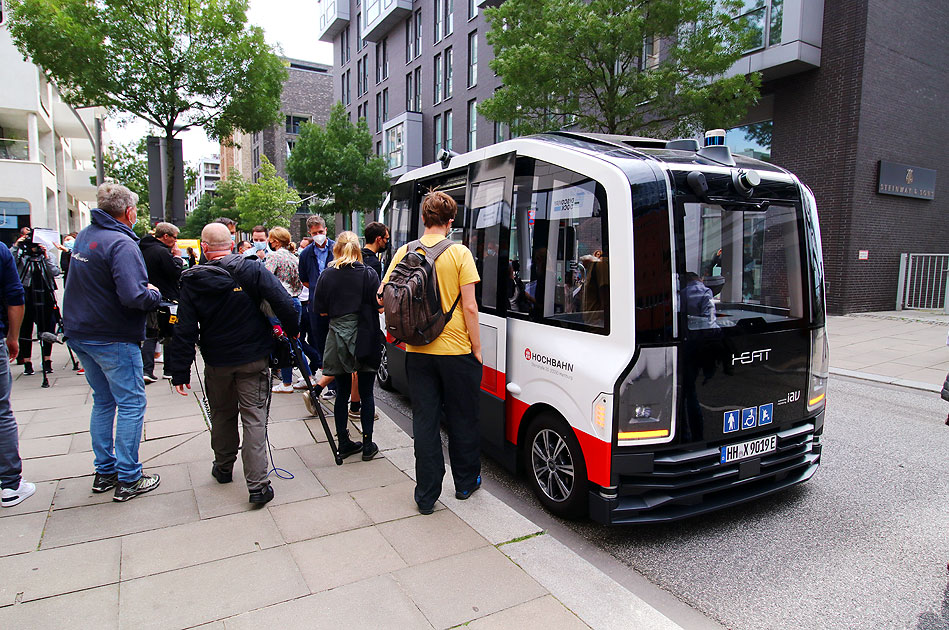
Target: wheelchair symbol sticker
column 749, row 418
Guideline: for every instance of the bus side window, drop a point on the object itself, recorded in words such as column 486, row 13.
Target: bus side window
column 559, row 251
column 483, row 226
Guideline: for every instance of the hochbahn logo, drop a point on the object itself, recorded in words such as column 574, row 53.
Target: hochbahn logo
column 543, row 359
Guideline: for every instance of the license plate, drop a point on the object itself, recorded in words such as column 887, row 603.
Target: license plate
column 751, row 448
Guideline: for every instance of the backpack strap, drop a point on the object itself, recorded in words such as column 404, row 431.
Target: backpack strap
column 431, row 253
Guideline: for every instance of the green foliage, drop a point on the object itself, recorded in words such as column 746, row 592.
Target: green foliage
column 199, row 217
column 583, row 62
column 174, row 63
column 269, row 202
column 224, row 202
column 337, row 163
column 143, row 224
column 128, row 165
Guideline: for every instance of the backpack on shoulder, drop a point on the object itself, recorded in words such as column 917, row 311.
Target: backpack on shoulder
column 410, row 298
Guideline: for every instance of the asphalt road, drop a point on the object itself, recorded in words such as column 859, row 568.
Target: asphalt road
column 864, row 544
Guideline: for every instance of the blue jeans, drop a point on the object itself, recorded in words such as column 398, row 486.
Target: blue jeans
column 114, row 371
column 10, row 465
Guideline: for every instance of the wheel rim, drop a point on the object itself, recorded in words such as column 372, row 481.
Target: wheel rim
column 383, row 370
column 552, row 465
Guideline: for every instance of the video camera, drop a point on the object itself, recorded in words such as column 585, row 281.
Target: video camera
column 29, row 248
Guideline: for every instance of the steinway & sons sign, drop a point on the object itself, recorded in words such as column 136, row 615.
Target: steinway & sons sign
column 907, row 181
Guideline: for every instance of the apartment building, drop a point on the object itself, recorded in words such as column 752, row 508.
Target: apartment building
column 46, row 150
column 849, row 102
column 206, row 181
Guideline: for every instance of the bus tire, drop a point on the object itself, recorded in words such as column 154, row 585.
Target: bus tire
column 556, row 471
column 382, row 374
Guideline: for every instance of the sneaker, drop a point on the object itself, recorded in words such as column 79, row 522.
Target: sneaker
column 355, row 415
column 354, row 409
column 300, row 383
column 347, row 447
column 166, row 376
column 369, row 451
column 81, row 370
column 150, row 378
column 28, row 369
column 328, row 394
column 464, row 494
column 104, row 483
column 48, row 366
column 309, row 404
column 220, row 475
column 262, row 496
column 281, row 388
column 125, row 491
column 16, row 496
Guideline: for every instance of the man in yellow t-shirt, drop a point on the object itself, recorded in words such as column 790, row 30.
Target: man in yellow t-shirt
column 446, row 374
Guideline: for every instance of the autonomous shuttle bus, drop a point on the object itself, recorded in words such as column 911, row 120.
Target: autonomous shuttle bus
column 652, row 319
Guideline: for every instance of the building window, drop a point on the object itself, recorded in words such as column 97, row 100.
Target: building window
column 472, row 9
column 449, row 134
column 449, row 17
column 438, row 79
column 409, row 38
column 394, row 152
column 378, row 112
column 472, row 125
column 418, row 34
column 344, row 45
column 754, row 13
column 382, row 60
column 438, row 20
column 385, row 104
column 359, row 42
column 409, row 93
column 776, row 22
column 418, row 90
column 449, row 64
column 347, row 92
column 359, row 88
column 256, row 156
column 500, row 130
column 294, row 122
column 437, row 122
column 472, row 59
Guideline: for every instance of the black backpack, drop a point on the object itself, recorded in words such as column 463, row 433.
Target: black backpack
column 411, row 300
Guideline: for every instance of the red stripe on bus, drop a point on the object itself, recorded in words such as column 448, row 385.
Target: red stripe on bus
column 514, row 410
column 596, row 454
column 492, row 381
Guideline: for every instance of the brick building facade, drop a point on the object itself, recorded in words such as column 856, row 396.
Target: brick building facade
column 846, row 84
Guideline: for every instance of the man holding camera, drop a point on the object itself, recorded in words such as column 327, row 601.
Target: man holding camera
column 107, row 297
column 220, row 309
column 37, row 271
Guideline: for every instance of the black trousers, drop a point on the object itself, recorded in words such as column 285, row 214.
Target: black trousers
column 42, row 318
column 444, row 386
column 367, row 409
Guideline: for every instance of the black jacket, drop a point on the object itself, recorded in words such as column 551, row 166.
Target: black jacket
column 221, row 313
column 371, row 260
column 162, row 269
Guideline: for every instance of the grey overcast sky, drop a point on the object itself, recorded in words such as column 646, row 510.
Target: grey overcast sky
column 290, row 26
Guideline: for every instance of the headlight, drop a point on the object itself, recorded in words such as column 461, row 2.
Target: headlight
column 819, row 370
column 646, row 399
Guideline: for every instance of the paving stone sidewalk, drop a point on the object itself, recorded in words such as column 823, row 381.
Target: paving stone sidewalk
column 905, row 348
column 338, row 547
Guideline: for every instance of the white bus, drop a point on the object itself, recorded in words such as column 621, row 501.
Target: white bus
column 652, row 318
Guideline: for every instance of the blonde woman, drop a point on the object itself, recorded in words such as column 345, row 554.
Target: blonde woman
column 346, row 293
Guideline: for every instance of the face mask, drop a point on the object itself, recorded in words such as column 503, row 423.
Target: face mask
column 69, row 244
column 320, row 239
column 260, row 246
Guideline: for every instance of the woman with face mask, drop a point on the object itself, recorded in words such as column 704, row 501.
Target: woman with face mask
column 286, row 267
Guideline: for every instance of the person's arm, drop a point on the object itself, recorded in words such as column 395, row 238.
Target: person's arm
column 469, row 308
column 181, row 353
column 304, row 264
column 14, row 319
column 131, row 278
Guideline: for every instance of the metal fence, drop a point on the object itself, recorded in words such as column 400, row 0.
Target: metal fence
column 923, row 282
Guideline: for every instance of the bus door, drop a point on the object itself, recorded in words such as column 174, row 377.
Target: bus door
column 488, row 198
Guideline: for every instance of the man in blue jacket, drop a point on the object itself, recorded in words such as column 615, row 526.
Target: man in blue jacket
column 313, row 260
column 15, row 490
column 107, row 296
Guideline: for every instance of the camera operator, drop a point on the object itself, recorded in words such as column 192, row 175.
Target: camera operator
column 164, row 271
column 37, row 274
column 107, row 296
column 219, row 309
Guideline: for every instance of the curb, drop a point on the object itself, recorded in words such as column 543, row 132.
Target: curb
column 887, row 380
column 574, row 581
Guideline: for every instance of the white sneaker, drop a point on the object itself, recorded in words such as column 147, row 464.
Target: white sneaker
column 300, row 383
column 280, row 388
column 159, row 358
column 328, row 394
column 15, row 497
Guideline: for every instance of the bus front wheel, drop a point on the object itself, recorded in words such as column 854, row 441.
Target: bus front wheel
column 555, row 468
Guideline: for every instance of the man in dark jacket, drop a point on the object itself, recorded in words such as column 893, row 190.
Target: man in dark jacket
column 219, row 309
column 313, row 260
column 164, row 271
column 377, row 240
column 107, row 296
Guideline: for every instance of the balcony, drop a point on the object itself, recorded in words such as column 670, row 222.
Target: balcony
column 382, row 15
column 402, row 143
column 334, row 16
column 14, row 149
column 789, row 38
column 79, row 184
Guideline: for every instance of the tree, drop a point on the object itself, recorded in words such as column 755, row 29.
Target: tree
column 269, row 202
column 128, row 165
column 614, row 66
column 174, row 63
column 338, row 164
column 224, row 202
column 202, row 214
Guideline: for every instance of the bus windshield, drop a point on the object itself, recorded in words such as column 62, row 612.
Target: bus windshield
column 742, row 267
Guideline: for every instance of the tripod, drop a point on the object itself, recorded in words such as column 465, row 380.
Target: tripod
column 41, row 303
